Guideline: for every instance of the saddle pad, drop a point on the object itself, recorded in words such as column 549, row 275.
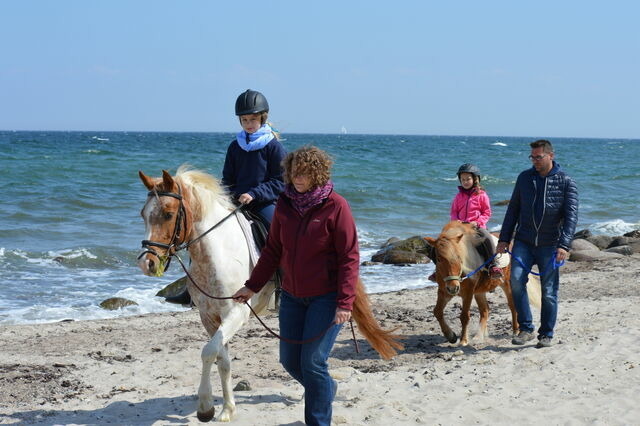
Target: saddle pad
column 248, row 235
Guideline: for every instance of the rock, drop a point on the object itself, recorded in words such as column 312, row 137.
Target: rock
column 581, row 244
column 620, row 241
column 635, row 246
column 633, row 234
column 243, row 385
column 370, row 263
column 624, row 250
column 601, row 241
column 501, row 203
column 412, row 250
column 585, row 233
column 591, row 255
column 173, row 289
column 114, row 303
column 390, row 241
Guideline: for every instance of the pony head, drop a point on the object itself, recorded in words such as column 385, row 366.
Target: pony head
column 167, row 217
column 455, row 254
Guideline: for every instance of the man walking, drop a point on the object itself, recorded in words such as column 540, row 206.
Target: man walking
column 543, row 211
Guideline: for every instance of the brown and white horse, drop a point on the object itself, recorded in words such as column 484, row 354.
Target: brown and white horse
column 178, row 211
column 457, row 257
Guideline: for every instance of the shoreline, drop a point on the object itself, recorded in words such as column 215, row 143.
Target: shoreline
column 145, row 369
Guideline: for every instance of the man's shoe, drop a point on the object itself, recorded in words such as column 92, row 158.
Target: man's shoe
column 522, row 338
column 183, row 298
column 544, row 342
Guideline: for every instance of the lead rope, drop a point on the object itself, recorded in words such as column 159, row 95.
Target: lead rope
column 273, row 333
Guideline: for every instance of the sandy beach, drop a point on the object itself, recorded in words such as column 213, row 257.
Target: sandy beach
column 145, row 370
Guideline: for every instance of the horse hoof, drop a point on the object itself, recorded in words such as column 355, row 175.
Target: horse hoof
column 452, row 338
column 207, row 415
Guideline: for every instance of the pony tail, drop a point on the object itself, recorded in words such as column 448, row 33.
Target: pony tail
column 383, row 341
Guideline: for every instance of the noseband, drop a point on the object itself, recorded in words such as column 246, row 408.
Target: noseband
column 177, row 228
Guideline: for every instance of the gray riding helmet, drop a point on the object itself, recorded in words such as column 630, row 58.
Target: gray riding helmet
column 469, row 168
column 251, row 102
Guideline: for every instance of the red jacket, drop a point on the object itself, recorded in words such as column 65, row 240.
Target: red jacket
column 471, row 206
column 318, row 251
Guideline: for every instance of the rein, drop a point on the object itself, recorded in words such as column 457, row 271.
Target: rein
column 552, row 263
column 147, row 244
column 470, row 274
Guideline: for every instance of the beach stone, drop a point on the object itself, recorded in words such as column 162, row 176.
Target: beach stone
column 581, row 244
column 114, row 303
column 243, row 385
column 390, row 241
column 370, row 263
column 411, row 250
column 634, row 234
column 620, row 241
column 625, row 250
column 585, row 233
column 173, row 289
column 592, row 255
column 502, row 203
column 635, row 246
column 601, row 241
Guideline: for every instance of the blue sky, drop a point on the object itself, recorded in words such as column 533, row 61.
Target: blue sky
column 561, row 68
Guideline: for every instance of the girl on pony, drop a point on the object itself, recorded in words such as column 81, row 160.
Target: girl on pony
column 252, row 170
column 471, row 204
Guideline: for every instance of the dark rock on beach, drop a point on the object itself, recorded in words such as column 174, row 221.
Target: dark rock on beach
column 173, row 289
column 114, row 303
column 413, row 250
column 588, row 247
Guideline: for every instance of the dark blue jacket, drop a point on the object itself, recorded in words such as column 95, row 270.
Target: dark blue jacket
column 555, row 222
column 257, row 173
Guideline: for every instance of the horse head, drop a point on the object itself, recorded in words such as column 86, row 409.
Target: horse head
column 451, row 254
column 167, row 217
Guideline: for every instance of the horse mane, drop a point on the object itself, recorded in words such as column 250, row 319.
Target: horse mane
column 205, row 188
column 459, row 240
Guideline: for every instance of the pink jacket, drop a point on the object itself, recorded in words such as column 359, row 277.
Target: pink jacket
column 471, row 206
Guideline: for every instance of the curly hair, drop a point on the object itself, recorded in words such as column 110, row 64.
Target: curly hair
column 310, row 161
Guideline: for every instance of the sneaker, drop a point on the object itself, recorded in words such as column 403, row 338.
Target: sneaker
column 522, row 338
column 544, row 342
column 432, row 277
column 495, row 272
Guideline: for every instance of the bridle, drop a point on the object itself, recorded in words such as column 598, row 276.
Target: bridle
column 181, row 222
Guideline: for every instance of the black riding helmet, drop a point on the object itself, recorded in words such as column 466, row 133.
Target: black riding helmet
column 469, row 168
column 251, row 102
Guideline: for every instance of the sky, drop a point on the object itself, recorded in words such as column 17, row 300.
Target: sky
column 485, row 68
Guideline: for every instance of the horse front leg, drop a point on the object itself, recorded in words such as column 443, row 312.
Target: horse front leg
column 506, row 287
column 465, row 315
column 216, row 351
column 483, row 307
column 438, row 312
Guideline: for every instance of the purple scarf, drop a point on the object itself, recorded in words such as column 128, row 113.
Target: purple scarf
column 304, row 201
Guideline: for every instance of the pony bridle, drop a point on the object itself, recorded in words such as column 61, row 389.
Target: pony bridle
column 174, row 244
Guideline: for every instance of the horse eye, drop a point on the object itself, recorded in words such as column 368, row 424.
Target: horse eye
column 167, row 215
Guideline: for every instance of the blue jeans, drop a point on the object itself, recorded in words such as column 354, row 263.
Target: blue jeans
column 549, row 283
column 302, row 319
column 266, row 213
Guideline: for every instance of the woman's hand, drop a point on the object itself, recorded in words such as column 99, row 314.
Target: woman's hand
column 242, row 295
column 342, row 316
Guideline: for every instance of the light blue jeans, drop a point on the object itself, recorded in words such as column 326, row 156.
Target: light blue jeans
column 549, row 282
column 302, row 319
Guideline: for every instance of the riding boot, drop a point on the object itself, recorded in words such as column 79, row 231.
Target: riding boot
column 183, row 298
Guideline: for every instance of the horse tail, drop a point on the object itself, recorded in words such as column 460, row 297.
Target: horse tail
column 385, row 342
column 534, row 291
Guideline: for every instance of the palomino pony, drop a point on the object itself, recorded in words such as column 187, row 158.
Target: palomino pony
column 457, row 257
column 193, row 210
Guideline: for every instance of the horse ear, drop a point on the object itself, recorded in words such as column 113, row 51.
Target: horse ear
column 430, row 241
column 148, row 182
column 167, row 180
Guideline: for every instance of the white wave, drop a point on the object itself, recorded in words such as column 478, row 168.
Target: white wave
column 613, row 227
column 499, row 144
column 72, row 253
column 92, row 151
column 100, row 139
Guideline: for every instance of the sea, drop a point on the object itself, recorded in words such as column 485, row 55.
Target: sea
column 70, row 225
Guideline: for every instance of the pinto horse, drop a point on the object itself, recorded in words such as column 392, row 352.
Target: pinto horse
column 193, row 210
column 457, row 257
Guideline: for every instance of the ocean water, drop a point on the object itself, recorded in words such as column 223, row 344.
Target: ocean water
column 70, row 227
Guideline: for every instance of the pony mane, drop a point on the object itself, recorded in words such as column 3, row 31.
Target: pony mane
column 465, row 250
column 205, row 188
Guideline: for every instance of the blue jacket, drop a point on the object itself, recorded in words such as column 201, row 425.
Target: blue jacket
column 544, row 215
column 257, row 173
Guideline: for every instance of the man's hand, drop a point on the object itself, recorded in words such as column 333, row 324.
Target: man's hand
column 502, row 247
column 242, row 295
column 561, row 255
